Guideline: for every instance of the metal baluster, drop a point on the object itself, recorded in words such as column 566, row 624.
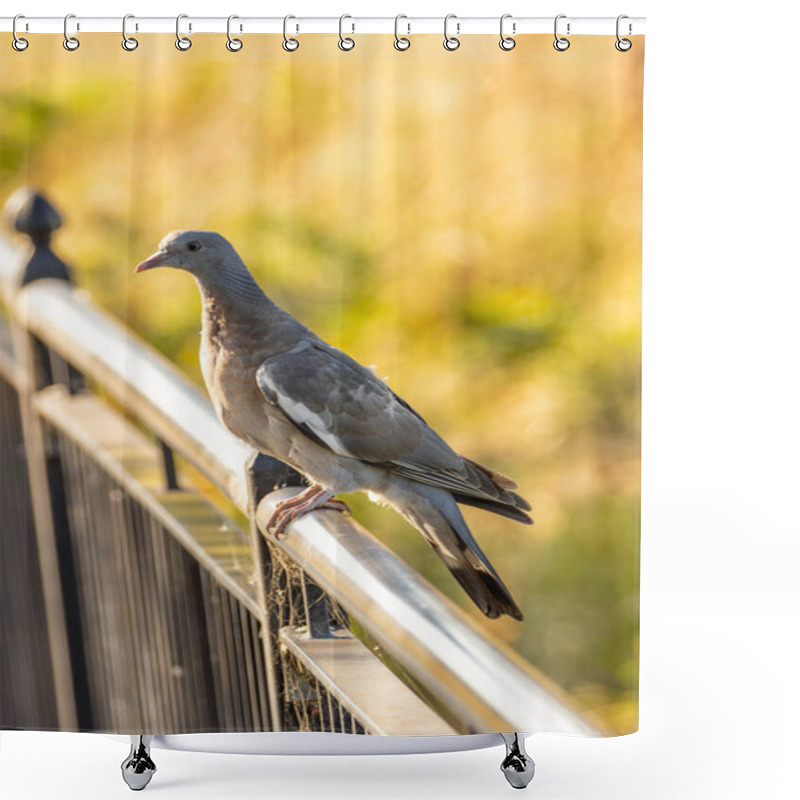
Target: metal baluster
column 170, row 471
column 317, row 610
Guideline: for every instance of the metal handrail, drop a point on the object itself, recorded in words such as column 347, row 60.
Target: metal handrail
column 409, row 618
column 430, row 636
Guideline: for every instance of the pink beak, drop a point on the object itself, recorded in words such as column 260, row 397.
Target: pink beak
column 155, row 260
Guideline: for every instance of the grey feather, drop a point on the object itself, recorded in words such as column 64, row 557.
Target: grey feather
column 283, row 390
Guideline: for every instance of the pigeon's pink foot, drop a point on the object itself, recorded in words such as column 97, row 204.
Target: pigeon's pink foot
column 314, row 497
column 336, row 505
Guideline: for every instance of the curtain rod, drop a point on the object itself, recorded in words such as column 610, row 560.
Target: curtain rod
column 298, row 25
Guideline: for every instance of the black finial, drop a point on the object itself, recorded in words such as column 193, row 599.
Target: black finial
column 32, row 214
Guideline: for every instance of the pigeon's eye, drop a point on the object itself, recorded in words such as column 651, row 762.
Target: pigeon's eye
column 193, row 247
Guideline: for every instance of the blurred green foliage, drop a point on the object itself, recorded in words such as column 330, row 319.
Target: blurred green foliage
column 470, row 225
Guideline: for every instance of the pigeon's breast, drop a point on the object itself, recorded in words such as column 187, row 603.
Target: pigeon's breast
column 231, row 383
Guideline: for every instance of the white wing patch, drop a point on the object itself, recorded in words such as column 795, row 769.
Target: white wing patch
column 320, row 424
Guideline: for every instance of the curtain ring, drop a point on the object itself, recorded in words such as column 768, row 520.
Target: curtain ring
column 19, row 44
column 623, row 45
column 289, row 44
column 70, row 42
column 400, row 42
column 345, row 42
column 182, row 42
column 233, row 44
column 561, row 44
column 451, row 42
column 128, row 42
column 507, row 42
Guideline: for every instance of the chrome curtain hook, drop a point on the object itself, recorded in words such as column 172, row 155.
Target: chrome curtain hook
column 345, row 42
column 70, row 42
column 507, row 42
column 128, row 42
column 182, row 42
column 289, row 44
column 623, row 45
column 561, row 44
column 451, row 42
column 19, row 44
column 400, row 42
column 233, row 44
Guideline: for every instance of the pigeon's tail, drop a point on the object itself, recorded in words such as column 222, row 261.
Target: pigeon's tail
column 496, row 493
column 435, row 514
column 505, row 509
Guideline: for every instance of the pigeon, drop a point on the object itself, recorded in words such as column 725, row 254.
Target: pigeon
column 289, row 394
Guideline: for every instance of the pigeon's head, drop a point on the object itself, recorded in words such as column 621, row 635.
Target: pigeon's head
column 204, row 254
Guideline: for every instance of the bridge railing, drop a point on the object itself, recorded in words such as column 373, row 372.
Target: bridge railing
column 147, row 609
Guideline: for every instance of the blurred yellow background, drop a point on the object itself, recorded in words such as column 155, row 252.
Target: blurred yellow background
column 468, row 222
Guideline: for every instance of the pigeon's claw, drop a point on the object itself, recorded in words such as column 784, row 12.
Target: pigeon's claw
column 336, row 505
column 314, row 497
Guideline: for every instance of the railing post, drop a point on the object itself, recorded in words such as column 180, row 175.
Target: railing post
column 265, row 475
column 30, row 213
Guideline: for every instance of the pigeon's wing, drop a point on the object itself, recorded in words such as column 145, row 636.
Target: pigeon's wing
column 343, row 406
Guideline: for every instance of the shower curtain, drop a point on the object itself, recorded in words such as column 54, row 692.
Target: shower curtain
column 466, row 226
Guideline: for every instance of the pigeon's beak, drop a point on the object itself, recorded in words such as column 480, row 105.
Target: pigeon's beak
column 158, row 259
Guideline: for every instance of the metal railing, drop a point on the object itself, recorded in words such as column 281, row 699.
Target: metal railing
column 152, row 611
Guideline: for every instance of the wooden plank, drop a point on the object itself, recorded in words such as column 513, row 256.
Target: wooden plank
column 136, row 463
column 363, row 684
